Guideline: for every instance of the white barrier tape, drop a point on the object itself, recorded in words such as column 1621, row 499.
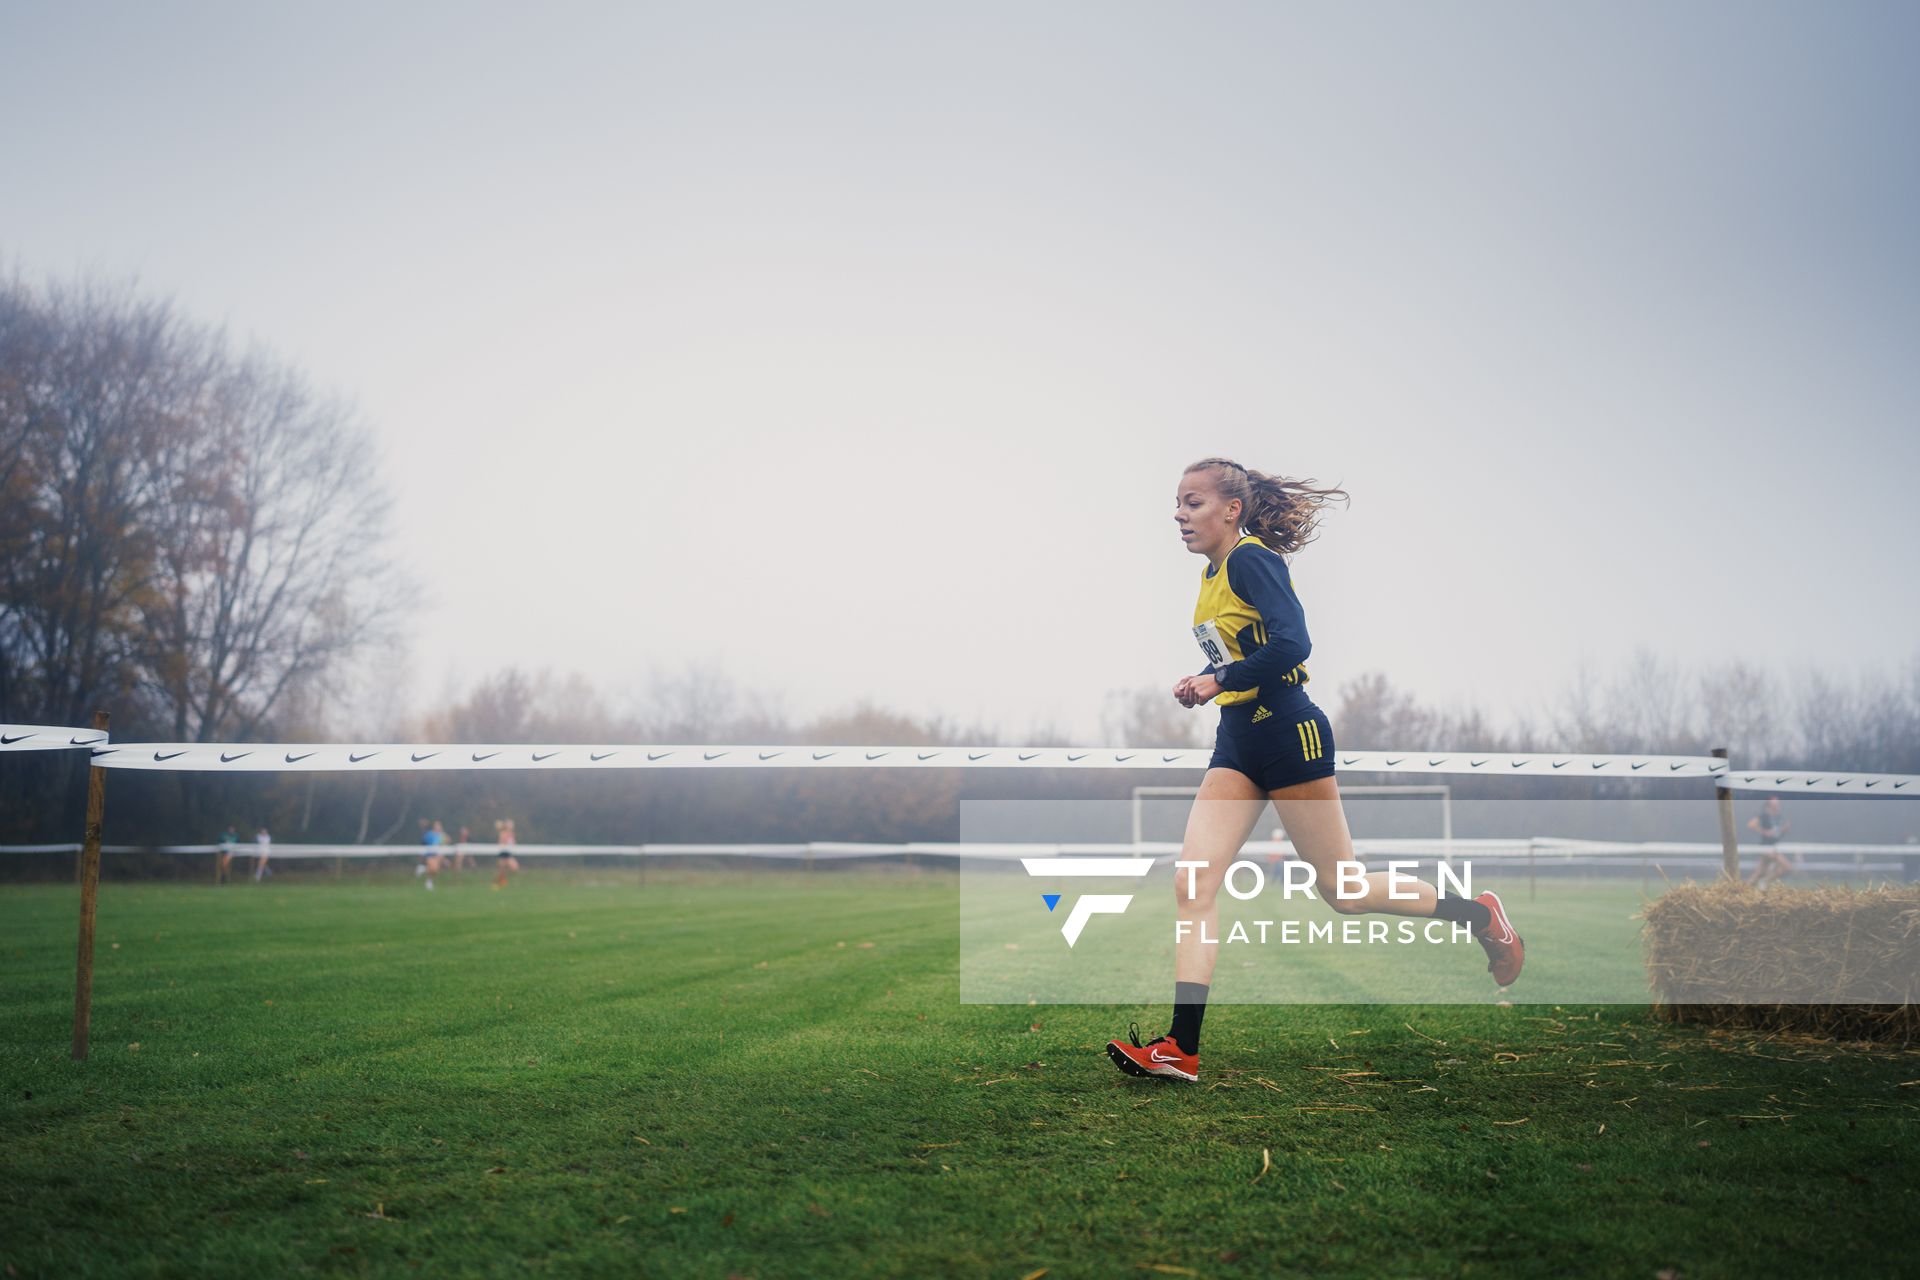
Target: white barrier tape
column 294, row 757
column 1460, row 848
column 1853, row 784
column 47, row 737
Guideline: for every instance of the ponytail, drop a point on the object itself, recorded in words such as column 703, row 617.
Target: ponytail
column 1280, row 512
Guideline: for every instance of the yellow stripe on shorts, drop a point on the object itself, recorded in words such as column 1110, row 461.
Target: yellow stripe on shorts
column 1311, row 747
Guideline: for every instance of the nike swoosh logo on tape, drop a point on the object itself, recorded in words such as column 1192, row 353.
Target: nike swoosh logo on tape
column 982, row 756
column 662, row 756
column 1030, row 755
column 354, row 759
column 1123, row 759
column 175, row 756
column 1166, row 759
column 1475, row 764
column 5, row 741
column 1392, row 761
column 1433, row 763
column 1073, row 759
column 294, row 759
column 1641, row 765
column 875, row 755
column 477, row 757
column 825, row 755
column 604, row 755
column 1561, row 764
column 537, row 757
column 417, row 757
column 227, row 759
column 927, row 755
column 1601, row 764
column 713, row 755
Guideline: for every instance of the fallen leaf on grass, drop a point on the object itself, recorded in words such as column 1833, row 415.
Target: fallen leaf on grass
column 1266, row 1163
column 675, row 1208
column 642, row 1141
column 1034, row 1275
column 499, row 1168
column 1510, row 1123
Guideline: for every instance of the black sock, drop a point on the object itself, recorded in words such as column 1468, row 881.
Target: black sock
column 1463, row 911
column 1189, row 1006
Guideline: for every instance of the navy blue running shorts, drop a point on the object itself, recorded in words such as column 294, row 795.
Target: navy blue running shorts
column 1277, row 746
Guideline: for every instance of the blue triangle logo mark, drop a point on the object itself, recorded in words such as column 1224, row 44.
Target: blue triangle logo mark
column 1051, row 899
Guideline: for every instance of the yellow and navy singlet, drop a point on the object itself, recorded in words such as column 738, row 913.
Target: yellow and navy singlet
column 1250, row 624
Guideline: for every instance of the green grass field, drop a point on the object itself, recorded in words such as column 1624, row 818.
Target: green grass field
column 773, row 1076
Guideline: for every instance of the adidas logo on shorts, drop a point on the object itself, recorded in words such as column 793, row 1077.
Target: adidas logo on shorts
column 1260, row 714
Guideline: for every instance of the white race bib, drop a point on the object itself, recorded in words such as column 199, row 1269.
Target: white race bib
column 1211, row 644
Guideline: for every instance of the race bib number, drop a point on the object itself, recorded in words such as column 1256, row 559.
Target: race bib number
column 1211, row 644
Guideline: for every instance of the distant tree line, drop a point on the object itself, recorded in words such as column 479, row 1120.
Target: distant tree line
column 1873, row 723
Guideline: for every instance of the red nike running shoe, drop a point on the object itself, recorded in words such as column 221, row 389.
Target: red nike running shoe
column 1506, row 951
column 1160, row 1057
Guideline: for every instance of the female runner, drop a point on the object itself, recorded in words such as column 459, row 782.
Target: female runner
column 1273, row 744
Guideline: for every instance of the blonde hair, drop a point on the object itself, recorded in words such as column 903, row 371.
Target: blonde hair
column 1280, row 512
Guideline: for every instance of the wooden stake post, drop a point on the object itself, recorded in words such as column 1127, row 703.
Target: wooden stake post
column 89, row 898
column 1729, row 840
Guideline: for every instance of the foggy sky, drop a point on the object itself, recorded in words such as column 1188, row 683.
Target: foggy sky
column 856, row 350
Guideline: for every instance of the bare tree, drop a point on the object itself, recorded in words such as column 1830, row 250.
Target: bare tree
column 90, row 393
column 272, row 568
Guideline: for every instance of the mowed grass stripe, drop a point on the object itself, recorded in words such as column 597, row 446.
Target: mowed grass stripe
column 617, row 1053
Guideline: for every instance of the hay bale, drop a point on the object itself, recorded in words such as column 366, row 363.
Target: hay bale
column 1826, row 961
